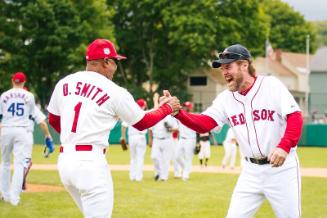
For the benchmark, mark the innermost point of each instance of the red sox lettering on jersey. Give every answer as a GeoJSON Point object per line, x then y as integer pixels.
{"type": "Point", "coordinates": [261, 114]}
{"type": "Point", "coordinates": [89, 91]}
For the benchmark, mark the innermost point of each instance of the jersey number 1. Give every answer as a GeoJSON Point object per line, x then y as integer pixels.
{"type": "Point", "coordinates": [77, 109]}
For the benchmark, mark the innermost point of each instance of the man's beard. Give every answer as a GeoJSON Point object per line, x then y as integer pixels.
{"type": "Point", "coordinates": [235, 84]}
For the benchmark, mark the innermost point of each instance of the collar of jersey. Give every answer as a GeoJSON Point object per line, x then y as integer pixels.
{"type": "Point", "coordinates": [245, 92]}
{"type": "Point", "coordinates": [251, 92]}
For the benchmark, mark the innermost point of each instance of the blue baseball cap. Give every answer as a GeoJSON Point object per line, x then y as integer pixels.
{"type": "Point", "coordinates": [231, 54]}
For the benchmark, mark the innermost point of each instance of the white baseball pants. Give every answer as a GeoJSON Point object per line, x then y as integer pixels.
{"type": "Point", "coordinates": [29, 145]}
{"type": "Point", "coordinates": [86, 176]}
{"type": "Point", "coordinates": [230, 153]}
{"type": "Point", "coordinates": [205, 150]}
{"type": "Point", "coordinates": [281, 186]}
{"type": "Point", "coordinates": [184, 156]}
{"type": "Point", "coordinates": [13, 140]}
{"type": "Point", "coordinates": [161, 155]}
{"type": "Point", "coordinates": [137, 144]}
{"type": "Point", "coordinates": [177, 166]}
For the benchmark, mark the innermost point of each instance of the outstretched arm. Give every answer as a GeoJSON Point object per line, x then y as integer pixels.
{"type": "Point", "coordinates": [166, 107]}
{"type": "Point", "coordinates": [153, 117]}
{"type": "Point", "coordinates": [198, 122]}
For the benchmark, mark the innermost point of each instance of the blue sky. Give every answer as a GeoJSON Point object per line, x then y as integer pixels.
{"type": "Point", "coordinates": [311, 9]}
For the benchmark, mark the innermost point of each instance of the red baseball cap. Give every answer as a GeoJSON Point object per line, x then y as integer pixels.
{"type": "Point", "coordinates": [188, 104]}
{"type": "Point", "coordinates": [19, 77]}
{"type": "Point", "coordinates": [141, 102]}
{"type": "Point", "coordinates": [101, 49]}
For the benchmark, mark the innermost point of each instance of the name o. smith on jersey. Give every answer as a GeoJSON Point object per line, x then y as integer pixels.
{"type": "Point", "coordinates": [87, 90]}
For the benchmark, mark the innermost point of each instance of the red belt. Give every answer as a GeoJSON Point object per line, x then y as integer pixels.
{"type": "Point", "coordinates": [81, 148]}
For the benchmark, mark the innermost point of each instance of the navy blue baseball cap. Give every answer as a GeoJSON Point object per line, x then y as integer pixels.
{"type": "Point", "coordinates": [231, 54]}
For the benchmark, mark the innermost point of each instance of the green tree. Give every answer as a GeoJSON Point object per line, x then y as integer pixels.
{"type": "Point", "coordinates": [288, 28]}
{"type": "Point", "coordinates": [241, 21]}
{"type": "Point", "coordinates": [163, 40]}
{"type": "Point", "coordinates": [166, 40]}
{"type": "Point", "coordinates": [47, 38]}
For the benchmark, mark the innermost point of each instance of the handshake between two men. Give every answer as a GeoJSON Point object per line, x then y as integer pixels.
{"type": "Point", "coordinates": [172, 101]}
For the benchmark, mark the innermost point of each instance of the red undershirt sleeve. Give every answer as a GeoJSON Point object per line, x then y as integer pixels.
{"type": "Point", "coordinates": [54, 121]}
{"type": "Point", "coordinates": [153, 117]}
{"type": "Point", "coordinates": [198, 122]}
{"type": "Point", "coordinates": [292, 132]}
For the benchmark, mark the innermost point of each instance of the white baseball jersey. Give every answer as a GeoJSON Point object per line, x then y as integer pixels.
{"type": "Point", "coordinates": [38, 118]}
{"type": "Point", "coordinates": [185, 132]}
{"type": "Point", "coordinates": [258, 118]}
{"type": "Point", "coordinates": [160, 131]}
{"type": "Point", "coordinates": [16, 105]}
{"type": "Point", "coordinates": [88, 104]}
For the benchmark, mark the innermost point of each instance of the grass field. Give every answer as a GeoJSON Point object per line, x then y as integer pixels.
{"type": "Point", "coordinates": [203, 196]}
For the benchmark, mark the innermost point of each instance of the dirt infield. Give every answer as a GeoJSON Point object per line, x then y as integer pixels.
{"type": "Point", "coordinates": [311, 172]}
{"type": "Point", "coordinates": [30, 188]}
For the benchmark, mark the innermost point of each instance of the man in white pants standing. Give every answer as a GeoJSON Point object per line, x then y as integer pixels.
{"type": "Point", "coordinates": [185, 149]}
{"type": "Point", "coordinates": [16, 106]}
{"type": "Point", "coordinates": [83, 108]}
{"type": "Point", "coordinates": [230, 149]}
{"type": "Point", "coordinates": [137, 146]}
{"type": "Point", "coordinates": [267, 123]}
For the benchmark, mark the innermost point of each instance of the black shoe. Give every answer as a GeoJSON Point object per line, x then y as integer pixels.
{"type": "Point", "coordinates": [156, 178]}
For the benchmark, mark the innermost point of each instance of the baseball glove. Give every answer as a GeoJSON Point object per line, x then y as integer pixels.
{"type": "Point", "coordinates": [123, 144]}
{"type": "Point", "coordinates": [49, 147]}
{"type": "Point", "coordinates": [197, 149]}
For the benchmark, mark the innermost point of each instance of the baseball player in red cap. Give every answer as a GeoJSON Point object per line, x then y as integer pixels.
{"type": "Point", "coordinates": [267, 123]}
{"type": "Point", "coordinates": [83, 108]}
{"type": "Point", "coordinates": [137, 146]}
{"type": "Point", "coordinates": [16, 106]}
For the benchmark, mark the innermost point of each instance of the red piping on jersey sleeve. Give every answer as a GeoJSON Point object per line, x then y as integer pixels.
{"type": "Point", "coordinates": [293, 131]}
{"type": "Point", "coordinates": [54, 121]}
{"type": "Point", "coordinates": [153, 117]}
{"type": "Point", "coordinates": [198, 122]}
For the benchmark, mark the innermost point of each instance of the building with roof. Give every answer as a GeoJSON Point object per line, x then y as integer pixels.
{"type": "Point", "coordinates": [318, 86]}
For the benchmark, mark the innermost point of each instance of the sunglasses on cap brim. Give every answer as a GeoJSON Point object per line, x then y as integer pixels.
{"type": "Point", "coordinates": [231, 55]}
